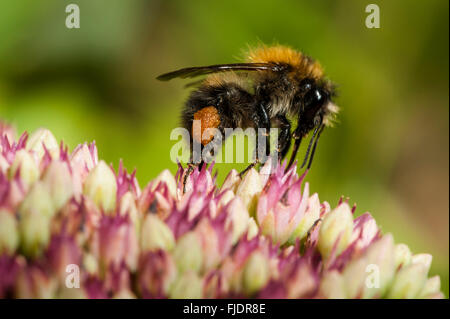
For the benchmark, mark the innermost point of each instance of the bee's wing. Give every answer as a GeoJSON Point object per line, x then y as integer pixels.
{"type": "Point", "coordinates": [202, 70]}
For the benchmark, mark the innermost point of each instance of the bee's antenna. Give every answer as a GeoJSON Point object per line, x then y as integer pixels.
{"type": "Point", "coordinates": [315, 145]}
{"type": "Point", "coordinates": [309, 145]}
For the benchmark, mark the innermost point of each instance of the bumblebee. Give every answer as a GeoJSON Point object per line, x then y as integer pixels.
{"type": "Point", "coordinates": [276, 83]}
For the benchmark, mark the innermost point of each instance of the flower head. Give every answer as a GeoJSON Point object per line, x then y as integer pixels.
{"type": "Point", "coordinates": [264, 235]}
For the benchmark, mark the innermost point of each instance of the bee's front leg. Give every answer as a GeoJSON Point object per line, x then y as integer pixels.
{"type": "Point", "coordinates": [261, 121]}
{"type": "Point", "coordinates": [284, 138]}
{"type": "Point", "coordinates": [192, 165]}
{"type": "Point", "coordinates": [188, 172]}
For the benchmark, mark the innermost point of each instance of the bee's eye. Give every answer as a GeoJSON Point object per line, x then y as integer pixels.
{"type": "Point", "coordinates": [315, 98]}
{"type": "Point", "coordinates": [313, 102]}
{"type": "Point", "coordinates": [306, 85]}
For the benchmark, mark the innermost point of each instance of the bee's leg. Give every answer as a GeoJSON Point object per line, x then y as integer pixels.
{"type": "Point", "coordinates": [256, 161]}
{"type": "Point", "coordinates": [319, 126]}
{"type": "Point", "coordinates": [311, 142]}
{"type": "Point", "coordinates": [188, 172]}
{"type": "Point", "coordinates": [284, 138]}
{"type": "Point", "coordinates": [192, 165]}
{"type": "Point", "coordinates": [241, 174]}
{"type": "Point", "coordinates": [261, 120]}
{"type": "Point", "coordinates": [314, 146]}
{"type": "Point", "coordinates": [298, 141]}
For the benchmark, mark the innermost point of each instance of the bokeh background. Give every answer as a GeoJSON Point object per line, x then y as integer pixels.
{"type": "Point", "coordinates": [389, 153]}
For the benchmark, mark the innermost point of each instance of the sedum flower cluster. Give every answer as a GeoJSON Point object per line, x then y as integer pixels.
{"type": "Point", "coordinates": [73, 227]}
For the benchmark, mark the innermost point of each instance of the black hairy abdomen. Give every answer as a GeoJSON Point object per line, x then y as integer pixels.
{"type": "Point", "coordinates": [233, 103]}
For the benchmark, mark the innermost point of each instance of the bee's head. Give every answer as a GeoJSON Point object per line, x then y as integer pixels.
{"type": "Point", "coordinates": [312, 100]}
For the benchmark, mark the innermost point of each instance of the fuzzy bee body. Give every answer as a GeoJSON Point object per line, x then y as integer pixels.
{"type": "Point", "coordinates": [275, 84]}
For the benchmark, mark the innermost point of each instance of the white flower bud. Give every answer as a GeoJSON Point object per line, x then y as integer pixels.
{"type": "Point", "coordinates": [9, 234]}
{"type": "Point", "coordinates": [29, 171]}
{"type": "Point", "coordinates": [101, 187]}
{"type": "Point", "coordinates": [4, 165]}
{"type": "Point", "coordinates": [239, 218]}
{"type": "Point", "coordinates": [424, 259]}
{"type": "Point", "coordinates": [128, 206]}
{"type": "Point", "coordinates": [332, 286]}
{"type": "Point", "coordinates": [188, 253]}
{"type": "Point", "coordinates": [42, 137]}
{"type": "Point", "coordinates": [380, 265]}
{"type": "Point", "coordinates": [256, 273]}
{"type": "Point", "coordinates": [37, 201]}
{"type": "Point", "coordinates": [167, 178]}
{"type": "Point", "coordinates": [408, 282]}
{"type": "Point", "coordinates": [90, 263]}
{"type": "Point", "coordinates": [34, 233]}
{"type": "Point", "coordinates": [58, 180]}
{"type": "Point", "coordinates": [155, 234]}
{"type": "Point", "coordinates": [402, 255]}
{"type": "Point", "coordinates": [249, 190]}
{"type": "Point", "coordinates": [252, 228]}
{"type": "Point", "coordinates": [336, 230]}
{"type": "Point", "coordinates": [188, 286]}
{"type": "Point", "coordinates": [232, 181]}
{"type": "Point", "coordinates": [225, 198]}
{"type": "Point", "coordinates": [432, 287]}
{"type": "Point", "coordinates": [312, 214]}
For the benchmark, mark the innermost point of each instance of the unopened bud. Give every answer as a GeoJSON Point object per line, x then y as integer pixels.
{"type": "Point", "coordinates": [424, 259]}
{"type": "Point", "coordinates": [58, 180]}
{"type": "Point", "coordinates": [402, 255]}
{"type": "Point", "coordinates": [90, 263]}
{"type": "Point", "coordinates": [128, 206]}
{"type": "Point", "coordinates": [432, 287]}
{"type": "Point", "coordinates": [167, 178]}
{"type": "Point", "coordinates": [34, 233]}
{"type": "Point", "coordinates": [332, 286]}
{"type": "Point", "coordinates": [232, 181]}
{"type": "Point", "coordinates": [312, 214]}
{"type": "Point", "coordinates": [101, 187]}
{"type": "Point", "coordinates": [256, 273]}
{"type": "Point", "coordinates": [40, 138]}
{"type": "Point", "coordinates": [188, 254]}
{"type": "Point", "coordinates": [249, 190]}
{"type": "Point", "coordinates": [188, 286]}
{"type": "Point", "coordinates": [252, 229]}
{"type": "Point", "coordinates": [336, 230]}
{"type": "Point", "coordinates": [29, 171]}
{"type": "Point", "coordinates": [408, 282]}
{"type": "Point", "coordinates": [37, 201]}
{"type": "Point", "coordinates": [155, 234]}
{"type": "Point", "coordinates": [239, 218]}
{"type": "Point", "coordinates": [9, 235]}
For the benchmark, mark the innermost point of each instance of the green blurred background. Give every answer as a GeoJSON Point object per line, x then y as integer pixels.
{"type": "Point", "coordinates": [389, 153]}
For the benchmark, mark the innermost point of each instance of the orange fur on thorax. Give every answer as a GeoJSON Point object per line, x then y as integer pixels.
{"type": "Point", "coordinates": [303, 66]}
